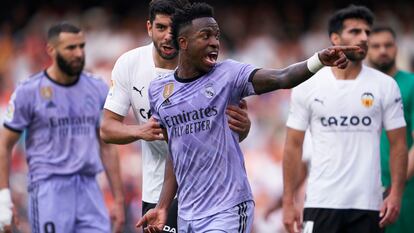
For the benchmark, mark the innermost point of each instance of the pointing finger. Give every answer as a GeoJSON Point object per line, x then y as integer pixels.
{"type": "Point", "coordinates": [346, 48]}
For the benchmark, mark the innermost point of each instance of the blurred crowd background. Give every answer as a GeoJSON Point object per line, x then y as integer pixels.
{"type": "Point", "coordinates": [264, 33]}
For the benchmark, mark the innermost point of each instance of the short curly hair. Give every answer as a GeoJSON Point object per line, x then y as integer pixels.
{"type": "Point", "coordinates": [336, 22]}
{"type": "Point", "coordinates": [186, 15]}
{"type": "Point", "coordinates": [164, 7]}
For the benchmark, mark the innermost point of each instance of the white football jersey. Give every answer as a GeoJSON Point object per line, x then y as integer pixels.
{"type": "Point", "coordinates": [131, 77]}
{"type": "Point", "coordinates": [345, 118]}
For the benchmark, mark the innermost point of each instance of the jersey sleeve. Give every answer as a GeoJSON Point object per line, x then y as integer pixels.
{"type": "Point", "coordinates": [299, 113]}
{"type": "Point", "coordinates": [393, 114]}
{"type": "Point", "coordinates": [243, 81]}
{"type": "Point", "coordinates": [20, 110]}
{"type": "Point", "coordinates": [117, 99]}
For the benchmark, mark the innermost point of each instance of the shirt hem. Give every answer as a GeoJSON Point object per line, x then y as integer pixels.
{"type": "Point", "coordinates": [342, 207]}
{"type": "Point", "coordinates": [214, 211]}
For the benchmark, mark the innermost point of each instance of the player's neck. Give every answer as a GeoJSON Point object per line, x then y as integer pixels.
{"type": "Point", "coordinates": [393, 71]}
{"type": "Point", "coordinates": [186, 70]}
{"type": "Point", "coordinates": [351, 72]}
{"type": "Point", "coordinates": [162, 63]}
{"type": "Point", "coordinates": [60, 77]}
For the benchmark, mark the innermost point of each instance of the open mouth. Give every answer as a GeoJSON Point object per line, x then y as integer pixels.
{"type": "Point", "coordinates": [168, 49]}
{"type": "Point", "coordinates": [211, 58]}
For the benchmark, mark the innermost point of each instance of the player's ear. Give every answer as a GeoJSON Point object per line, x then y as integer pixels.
{"type": "Point", "coordinates": [149, 28]}
{"type": "Point", "coordinates": [335, 38]}
{"type": "Point", "coordinates": [182, 42]}
{"type": "Point", "coordinates": [50, 49]}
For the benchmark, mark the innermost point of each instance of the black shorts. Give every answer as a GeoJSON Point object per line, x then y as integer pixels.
{"type": "Point", "coordinates": [171, 225]}
{"type": "Point", "coordinates": [319, 220]}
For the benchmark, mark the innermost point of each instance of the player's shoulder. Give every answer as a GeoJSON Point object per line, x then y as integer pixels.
{"type": "Point", "coordinates": [93, 79]}
{"type": "Point", "coordinates": [130, 57]}
{"type": "Point", "coordinates": [407, 76]}
{"type": "Point", "coordinates": [406, 73]}
{"type": "Point", "coordinates": [378, 79]}
{"type": "Point", "coordinates": [32, 82]}
{"type": "Point", "coordinates": [227, 63]}
{"type": "Point", "coordinates": [159, 85]}
{"type": "Point", "coordinates": [162, 79]}
{"type": "Point", "coordinates": [406, 79]}
{"type": "Point", "coordinates": [318, 78]}
{"type": "Point", "coordinates": [376, 74]}
{"type": "Point", "coordinates": [229, 66]}
{"type": "Point", "coordinates": [313, 84]}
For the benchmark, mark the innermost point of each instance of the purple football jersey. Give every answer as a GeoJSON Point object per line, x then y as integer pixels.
{"type": "Point", "coordinates": [61, 124]}
{"type": "Point", "coordinates": [208, 162]}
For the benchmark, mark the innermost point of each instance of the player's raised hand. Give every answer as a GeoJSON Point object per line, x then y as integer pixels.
{"type": "Point", "coordinates": [335, 55]}
{"type": "Point", "coordinates": [155, 220]}
{"type": "Point", "coordinates": [150, 131]}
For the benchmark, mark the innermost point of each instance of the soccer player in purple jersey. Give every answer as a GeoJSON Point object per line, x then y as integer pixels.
{"type": "Point", "coordinates": [60, 109]}
{"type": "Point", "coordinates": [131, 76]}
{"type": "Point", "coordinates": [206, 166]}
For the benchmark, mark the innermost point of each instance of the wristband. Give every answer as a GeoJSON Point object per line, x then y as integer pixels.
{"type": "Point", "coordinates": [314, 64]}
{"type": "Point", "coordinates": [6, 206]}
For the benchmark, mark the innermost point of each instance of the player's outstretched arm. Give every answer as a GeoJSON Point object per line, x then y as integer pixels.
{"type": "Point", "coordinates": [238, 119]}
{"type": "Point", "coordinates": [113, 130]}
{"type": "Point", "coordinates": [398, 165]}
{"type": "Point", "coordinates": [110, 161]}
{"type": "Point", "coordinates": [266, 80]}
{"type": "Point", "coordinates": [292, 165]}
{"type": "Point", "coordinates": [8, 139]}
{"type": "Point", "coordinates": [156, 218]}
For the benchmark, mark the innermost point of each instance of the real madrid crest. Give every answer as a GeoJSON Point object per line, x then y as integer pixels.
{"type": "Point", "coordinates": [209, 91]}
{"type": "Point", "coordinates": [168, 90]}
{"type": "Point", "coordinates": [46, 92]}
{"type": "Point", "coordinates": [367, 99]}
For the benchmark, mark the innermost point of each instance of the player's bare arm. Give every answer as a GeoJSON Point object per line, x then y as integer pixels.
{"type": "Point", "coordinates": [110, 161]}
{"type": "Point", "coordinates": [398, 165]}
{"type": "Point", "coordinates": [292, 165]}
{"type": "Point", "coordinates": [266, 80]}
{"type": "Point", "coordinates": [113, 130]}
{"type": "Point", "coordinates": [157, 217]}
{"type": "Point", "coordinates": [8, 139]}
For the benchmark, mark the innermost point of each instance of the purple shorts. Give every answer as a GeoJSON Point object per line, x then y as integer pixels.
{"type": "Point", "coordinates": [68, 204]}
{"type": "Point", "coordinates": [238, 219]}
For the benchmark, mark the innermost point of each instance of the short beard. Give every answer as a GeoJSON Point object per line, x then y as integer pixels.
{"type": "Point", "coordinates": [384, 67]}
{"type": "Point", "coordinates": [170, 57]}
{"type": "Point", "coordinates": [66, 68]}
{"type": "Point", "coordinates": [352, 56]}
